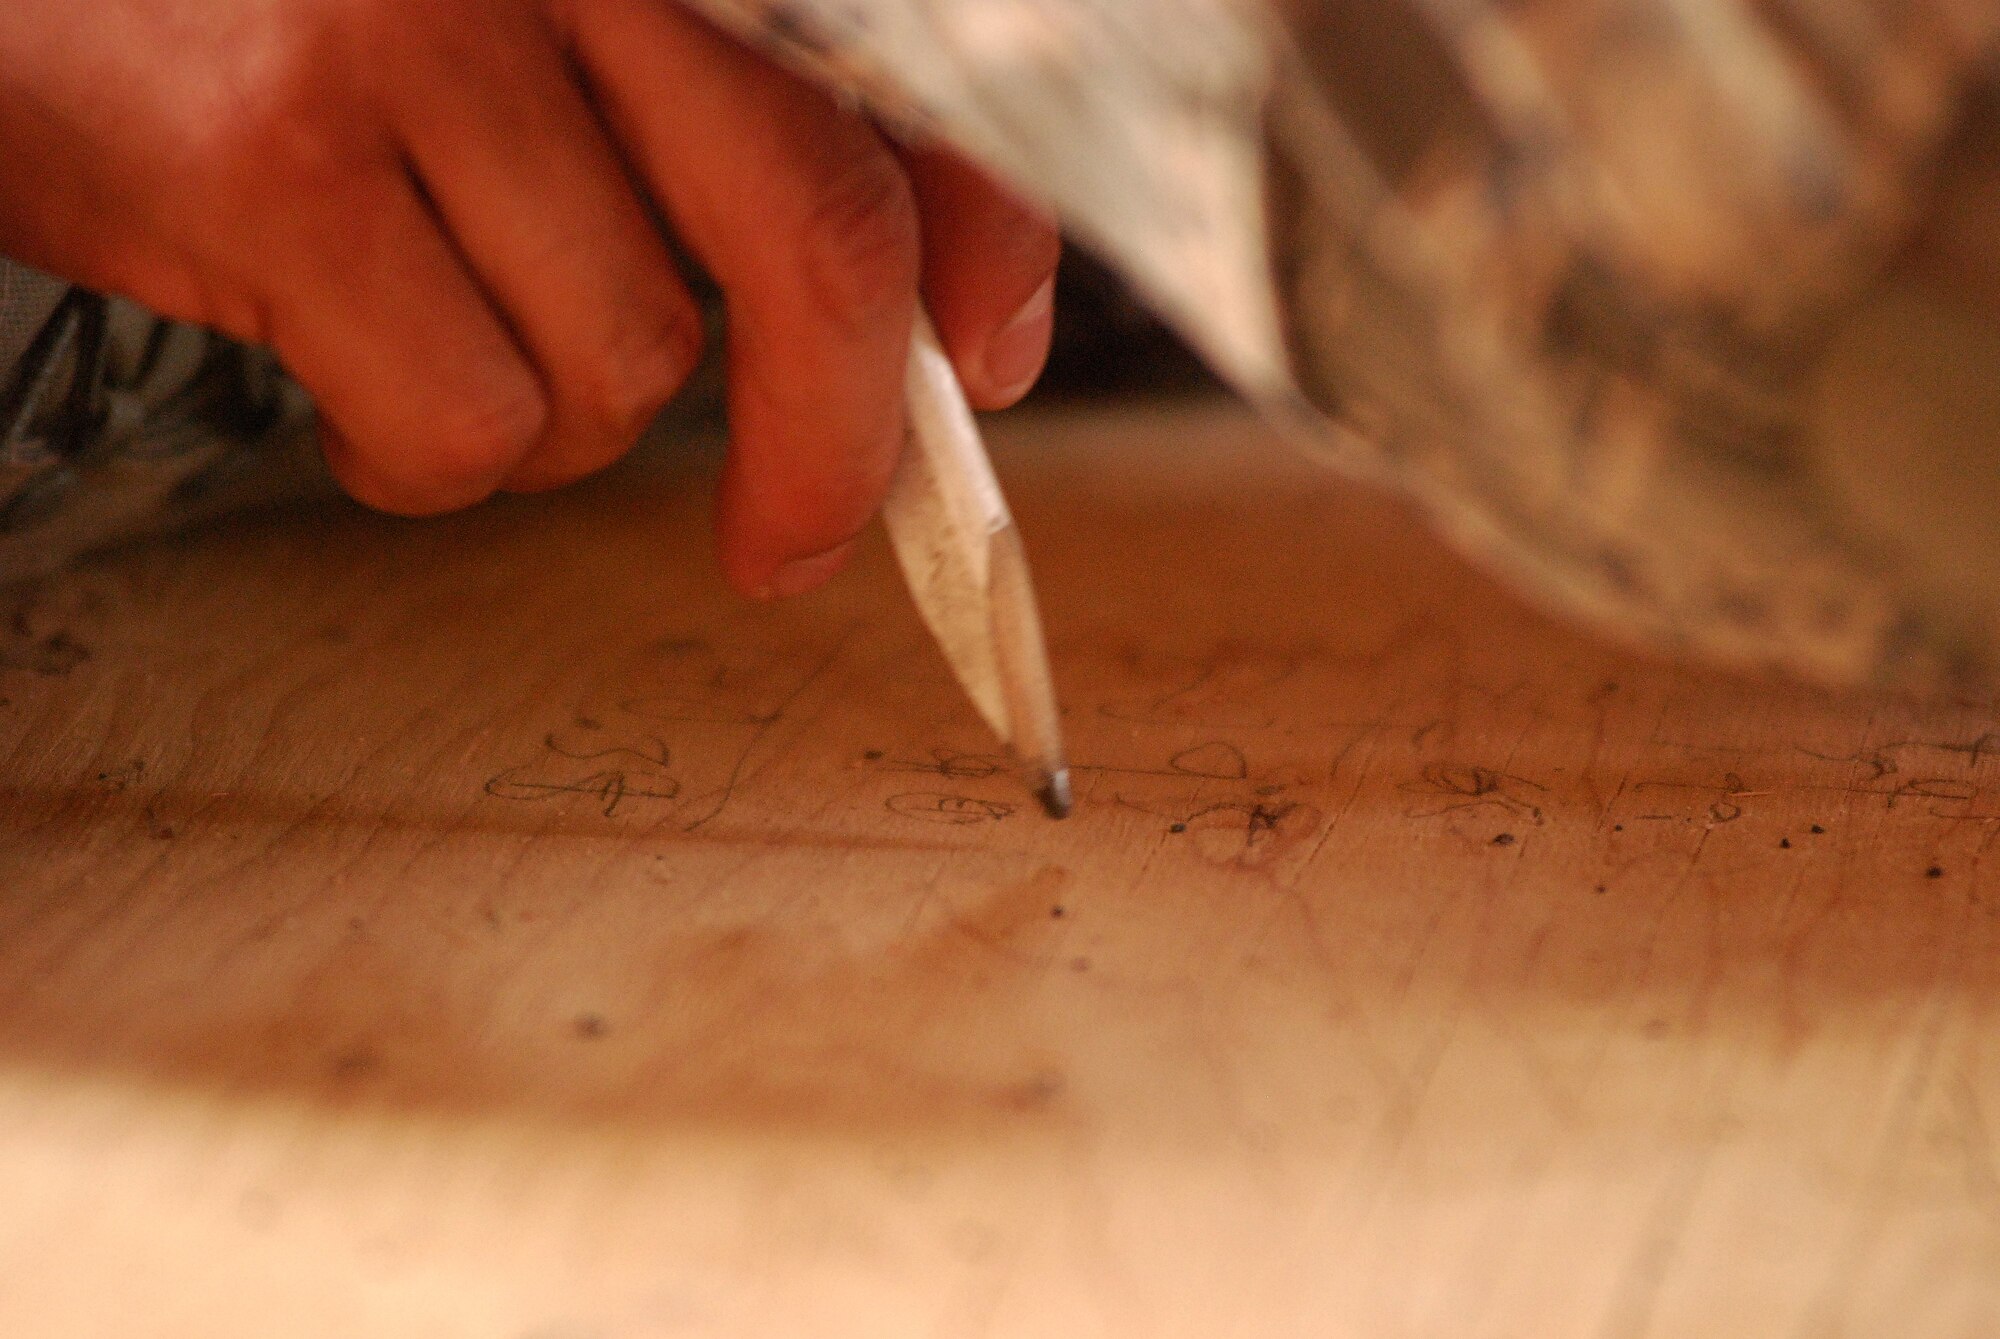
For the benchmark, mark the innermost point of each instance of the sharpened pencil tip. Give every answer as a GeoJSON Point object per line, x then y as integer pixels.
{"type": "Point", "coordinates": [1054, 794]}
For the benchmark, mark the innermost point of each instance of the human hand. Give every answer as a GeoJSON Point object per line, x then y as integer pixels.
{"type": "Point", "coordinates": [437, 213]}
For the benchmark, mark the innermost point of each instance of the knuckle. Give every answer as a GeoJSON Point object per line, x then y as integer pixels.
{"type": "Point", "coordinates": [642, 368]}
{"type": "Point", "coordinates": [461, 459]}
{"type": "Point", "coordinates": [483, 436]}
{"type": "Point", "coordinates": [862, 248]}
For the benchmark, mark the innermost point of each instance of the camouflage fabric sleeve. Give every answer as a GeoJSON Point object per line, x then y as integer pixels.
{"type": "Point", "coordinates": [115, 424]}
{"type": "Point", "coordinates": [27, 300]}
{"type": "Point", "coordinates": [1682, 314]}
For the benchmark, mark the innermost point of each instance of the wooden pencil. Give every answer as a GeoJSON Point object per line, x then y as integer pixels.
{"type": "Point", "coordinates": [963, 560]}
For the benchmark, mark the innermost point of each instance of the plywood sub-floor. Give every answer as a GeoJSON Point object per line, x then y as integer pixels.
{"type": "Point", "coordinates": [491, 927]}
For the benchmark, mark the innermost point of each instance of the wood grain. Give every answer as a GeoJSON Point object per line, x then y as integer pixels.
{"type": "Point", "coordinates": [491, 928]}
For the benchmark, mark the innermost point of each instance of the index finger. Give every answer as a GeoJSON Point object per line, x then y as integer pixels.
{"type": "Point", "coordinates": [807, 221]}
{"type": "Point", "coordinates": [989, 275]}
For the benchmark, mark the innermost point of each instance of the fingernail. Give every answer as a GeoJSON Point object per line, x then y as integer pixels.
{"type": "Point", "coordinates": [803, 574]}
{"type": "Point", "coordinates": [1015, 355]}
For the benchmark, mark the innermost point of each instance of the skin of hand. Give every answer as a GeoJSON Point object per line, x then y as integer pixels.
{"type": "Point", "coordinates": [441, 215]}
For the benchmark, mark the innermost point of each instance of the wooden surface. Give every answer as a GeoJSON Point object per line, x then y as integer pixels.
{"type": "Point", "coordinates": [491, 928]}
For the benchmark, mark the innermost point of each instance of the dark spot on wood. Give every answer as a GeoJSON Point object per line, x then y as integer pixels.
{"type": "Point", "coordinates": [355, 1062]}
{"type": "Point", "coordinates": [1934, 872]}
{"type": "Point", "coordinates": [1743, 608]}
{"type": "Point", "coordinates": [1784, 843]}
{"type": "Point", "coordinates": [873, 755]}
{"type": "Point", "coordinates": [1079, 964]}
{"type": "Point", "coordinates": [1177, 827]}
{"type": "Point", "coordinates": [1504, 839]}
{"type": "Point", "coordinates": [1600, 888]}
{"type": "Point", "coordinates": [257, 1210]}
{"type": "Point", "coordinates": [1617, 827]}
{"type": "Point", "coordinates": [1818, 831]}
{"type": "Point", "coordinates": [1033, 1093]}
{"type": "Point", "coordinates": [1618, 571]}
{"type": "Point", "coordinates": [590, 1027]}
{"type": "Point", "coordinates": [1057, 913]}
{"type": "Point", "coordinates": [588, 723]}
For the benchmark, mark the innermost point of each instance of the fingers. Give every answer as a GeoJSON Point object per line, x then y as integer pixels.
{"type": "Point", "coordinates": [807, 221]}
{"type": "Point", "coordinates": [989, 276]}
{"type": "Point", "coordinates": [508, 315]}
{"type": "Point", "coordinates": [535, 197]}
{"type": "Point", "coordinates": [428, 403]}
